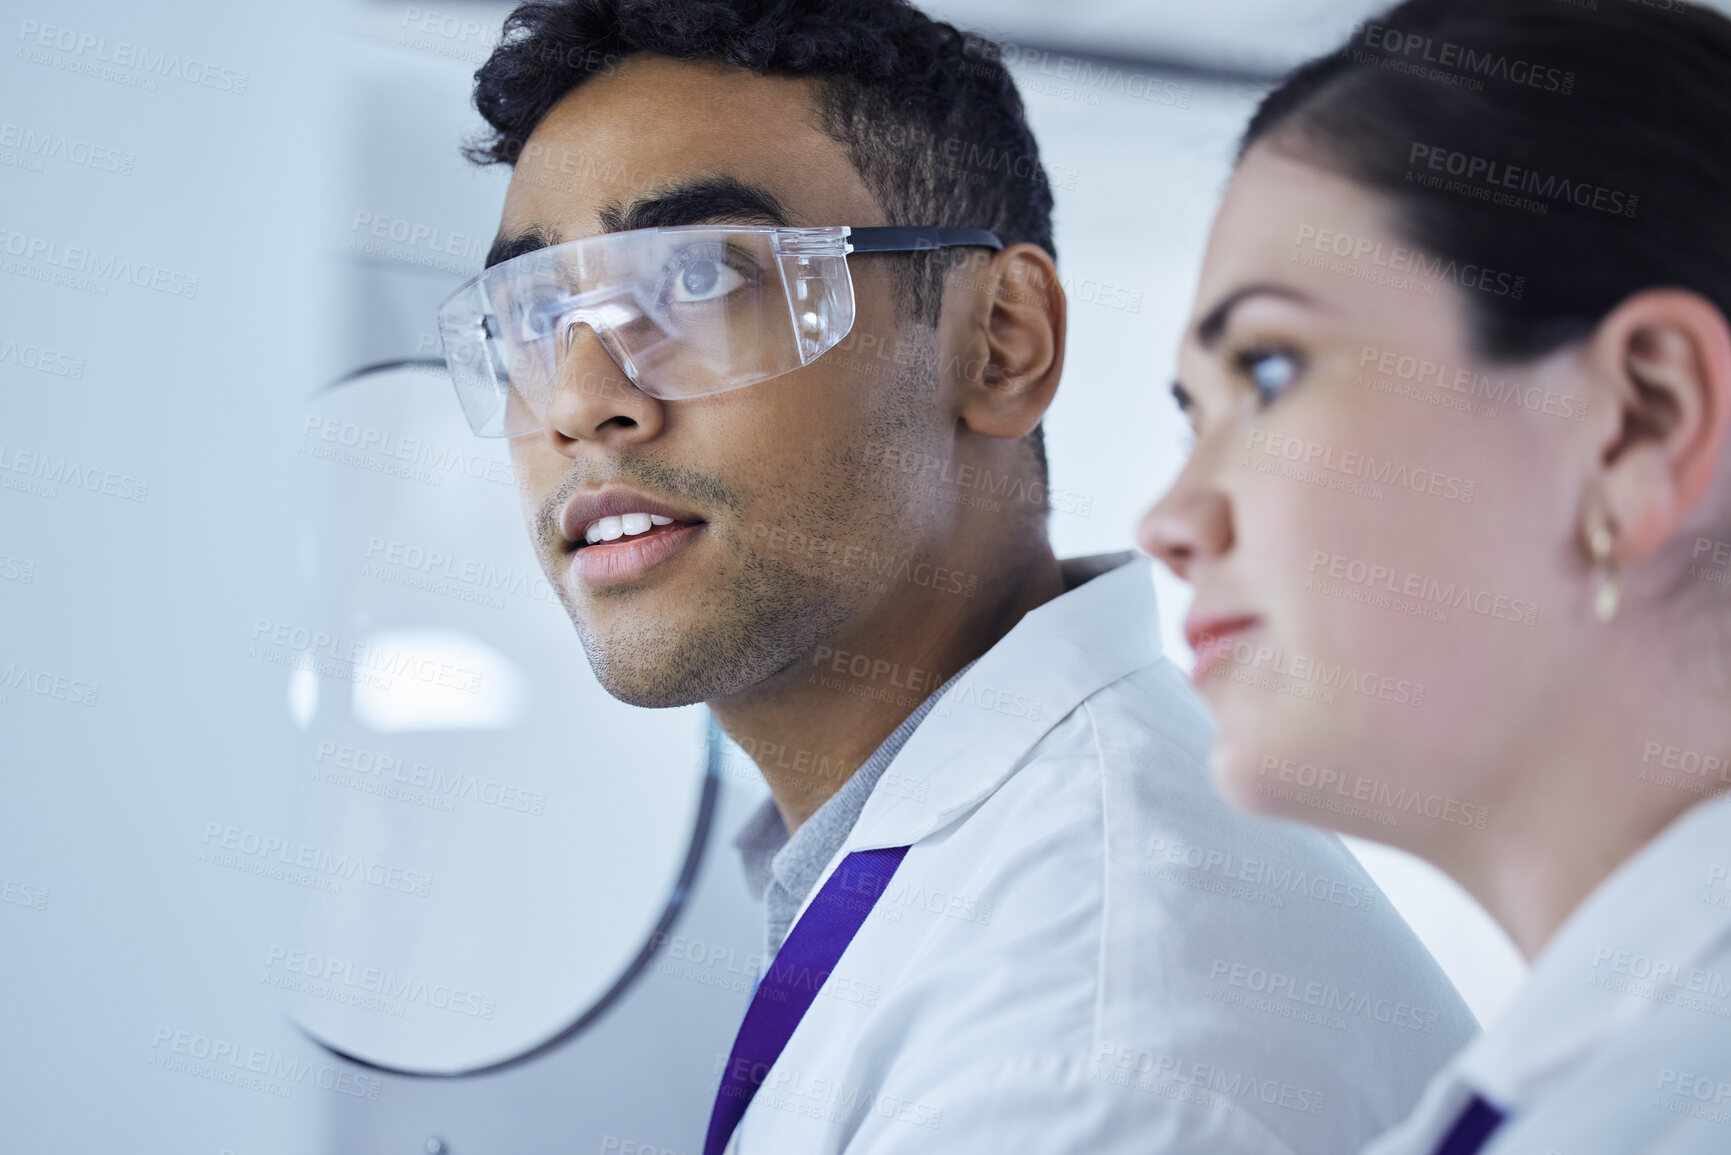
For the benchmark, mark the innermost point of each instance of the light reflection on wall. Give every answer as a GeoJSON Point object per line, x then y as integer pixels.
{"type": "Point", "coordinates": [453, 681]}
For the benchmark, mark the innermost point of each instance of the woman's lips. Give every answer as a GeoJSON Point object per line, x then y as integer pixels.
{"type": "Point", "coordinates": [1213, 642]}
{"type": "Point", "coordinates": [625, 559]}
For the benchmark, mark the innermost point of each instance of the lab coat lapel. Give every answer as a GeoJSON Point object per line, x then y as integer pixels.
{"type": "Point", "coordinates": [1053, 659]}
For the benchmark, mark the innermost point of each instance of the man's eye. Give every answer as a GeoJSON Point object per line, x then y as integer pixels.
{"type": "Point", "coordinates": [540, 312]}
{"type": "Point", "coordinates": [1271, 371]}
{"type": "Point", "coordinates": [693, 278]}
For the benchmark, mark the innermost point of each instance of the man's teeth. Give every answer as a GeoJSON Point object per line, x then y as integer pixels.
{"type": "Point", "coordinates": [625, 525]}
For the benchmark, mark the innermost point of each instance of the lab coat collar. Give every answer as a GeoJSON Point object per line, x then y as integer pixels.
{"type": "Point", "coordinates": [1658, 905]}
{"type": "Point", "coordinates": [1057, 656]}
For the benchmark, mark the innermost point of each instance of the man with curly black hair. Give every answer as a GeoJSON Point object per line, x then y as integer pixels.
{"type": "Point", "coordinates": [772, 320]}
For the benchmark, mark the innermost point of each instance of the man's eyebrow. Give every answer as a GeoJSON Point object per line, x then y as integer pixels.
{"type": "Point", "coordinates": [699, 201]}
{"type": "Point", "coordinates": [1210, 329]}
{"type": "Point", "coordinates": [516, 244]}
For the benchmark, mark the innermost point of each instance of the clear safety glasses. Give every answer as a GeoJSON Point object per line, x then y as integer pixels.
{"type": "Point", "coordinates": [684, 312]}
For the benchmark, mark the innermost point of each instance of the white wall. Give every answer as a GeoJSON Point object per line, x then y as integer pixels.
{"type": "Point", "coordinates": [151, 519]}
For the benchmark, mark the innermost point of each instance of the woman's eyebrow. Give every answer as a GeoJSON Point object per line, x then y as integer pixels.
{"type": "Point", "coordinates": [1212, 326]}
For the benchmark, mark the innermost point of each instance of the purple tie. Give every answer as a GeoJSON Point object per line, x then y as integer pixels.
{"type": "Point", "coordinates": [801, 966]}
{"type": "Point", "coordinates": [1473, 1129]}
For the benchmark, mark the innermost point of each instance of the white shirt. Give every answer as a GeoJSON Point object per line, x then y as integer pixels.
{"type": "Point", "coordinates": [1077, 954]}
{"type": "Point", "coordinates": [1621, 1040]}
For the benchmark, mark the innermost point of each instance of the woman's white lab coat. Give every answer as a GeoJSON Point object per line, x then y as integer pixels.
{"type": "Point", "coordinates": [1621, 1040]}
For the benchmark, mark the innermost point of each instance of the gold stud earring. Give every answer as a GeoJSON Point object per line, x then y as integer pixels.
{"type": "Point", "coordinates": [1610, 593]}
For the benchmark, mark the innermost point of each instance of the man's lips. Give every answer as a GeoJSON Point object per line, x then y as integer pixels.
{"type": "Point", "coordinates": [586, 509]}
{"type": "Point", "coordinates": [624, 560]}
{"type": "Point", "coordinates": [1212, 638]}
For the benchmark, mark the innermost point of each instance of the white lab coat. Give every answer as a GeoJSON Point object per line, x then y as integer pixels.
{"type": "Point", "coordinates": [1620, 1043]}
{"type": "Point", "coordinates": [1085, 950]}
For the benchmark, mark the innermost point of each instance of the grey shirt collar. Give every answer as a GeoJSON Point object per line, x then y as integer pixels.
{"type": "Point", "coordinates": [781, 869]}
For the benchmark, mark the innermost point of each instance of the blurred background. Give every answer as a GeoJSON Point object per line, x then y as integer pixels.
{"type": "Point", "coordinates": [304, 780]}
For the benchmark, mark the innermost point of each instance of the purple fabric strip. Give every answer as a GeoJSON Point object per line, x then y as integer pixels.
{"type": "Point", "coordinates": [801, 966]}
{"type": "Point", "coordinates": [1473, 1129]}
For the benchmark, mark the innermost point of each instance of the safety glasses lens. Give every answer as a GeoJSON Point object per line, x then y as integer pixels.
{"type": "Point", "coordinates": [674, 313]}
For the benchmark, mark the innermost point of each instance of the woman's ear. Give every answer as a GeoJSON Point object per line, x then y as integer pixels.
{"type": "Point", "coordinates": [1664, 359]}
{"type": "Point", "coordinates": [1001, 340]}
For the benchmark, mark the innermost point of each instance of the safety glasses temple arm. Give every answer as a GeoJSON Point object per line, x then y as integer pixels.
{"type": "Point", "coordinates": [914, 239]}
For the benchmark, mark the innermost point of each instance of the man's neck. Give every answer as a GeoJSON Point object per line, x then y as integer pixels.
{"type": "Point", "coordinates": [811, 726]}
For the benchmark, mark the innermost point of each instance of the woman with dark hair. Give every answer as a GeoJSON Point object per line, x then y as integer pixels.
{"type": "Point", "coordinates": [1459, 524]}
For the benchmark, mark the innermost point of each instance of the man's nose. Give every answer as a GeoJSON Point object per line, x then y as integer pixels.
{"type": "Point", "coordinates": [593, 400]}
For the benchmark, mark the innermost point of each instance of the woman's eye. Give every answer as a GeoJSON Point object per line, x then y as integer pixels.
{"type": "Point", "coordinates": [695, 279]}
{"type": "Point", "coordinates": [1271, 371]}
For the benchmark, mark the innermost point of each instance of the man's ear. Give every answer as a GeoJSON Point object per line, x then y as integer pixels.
{"type": "Point", "coordinates": [1001, 340]}
{"type": "Point", "coordinates": [1664, 358]}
